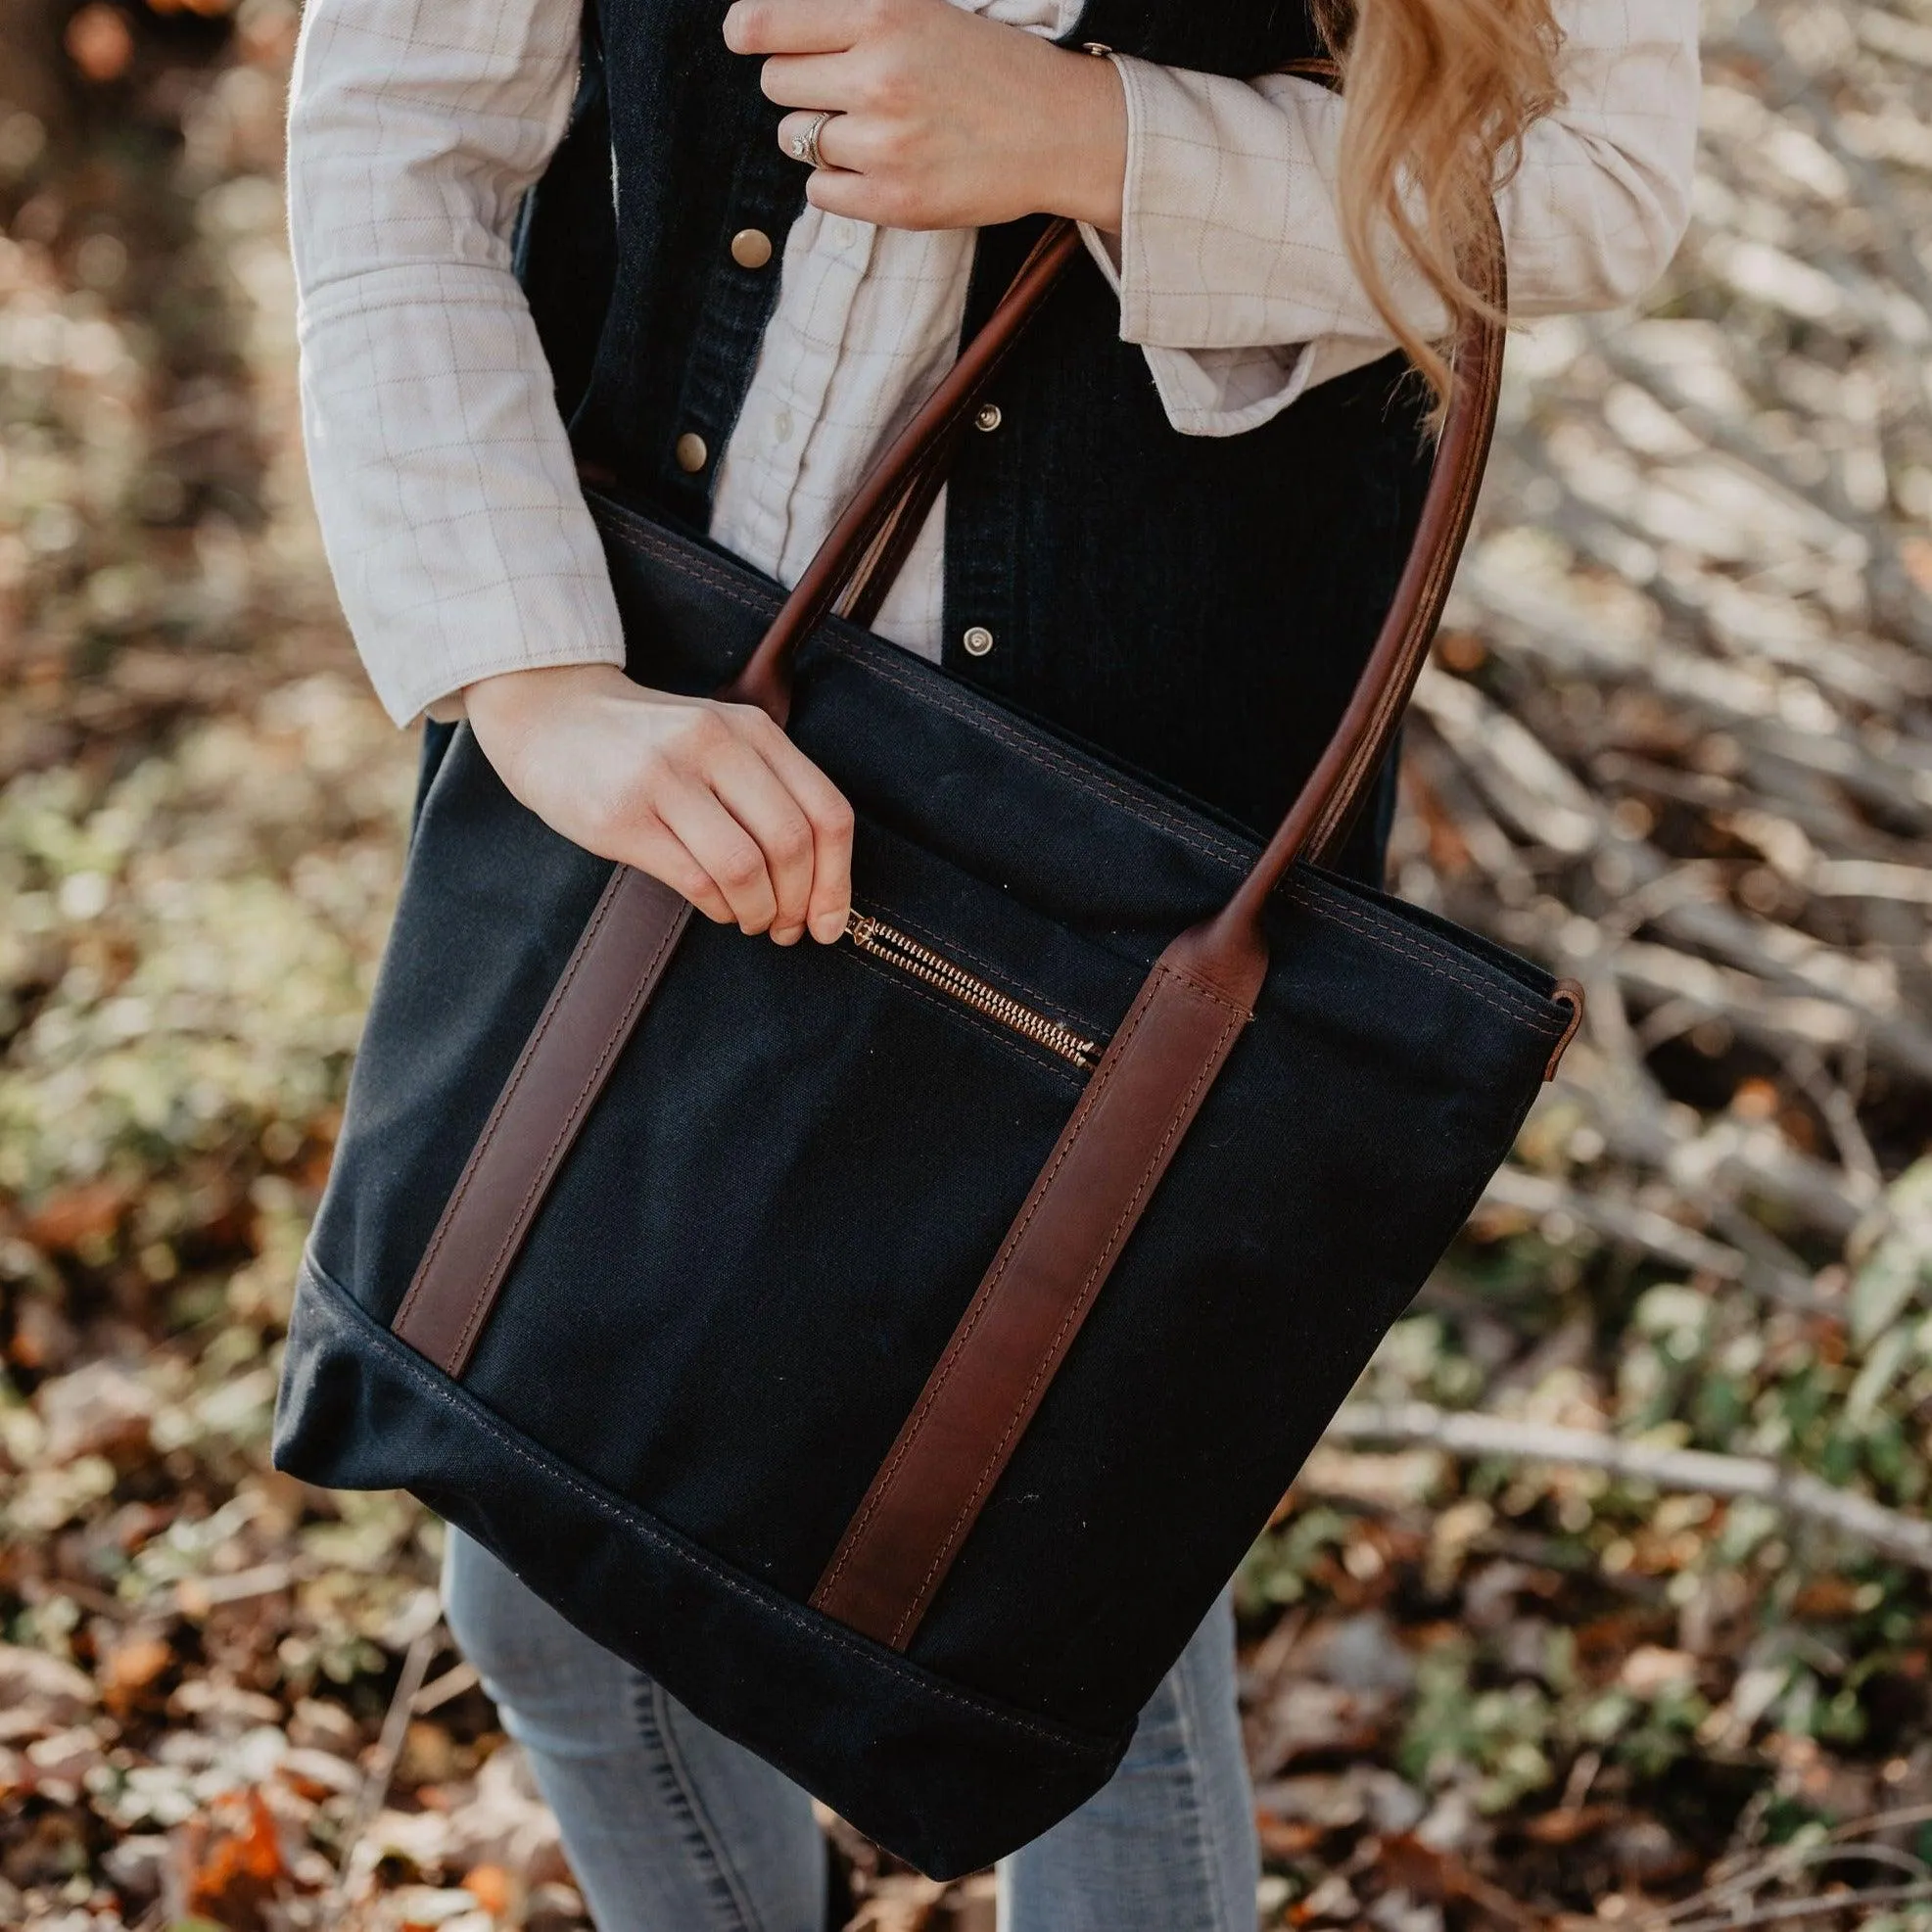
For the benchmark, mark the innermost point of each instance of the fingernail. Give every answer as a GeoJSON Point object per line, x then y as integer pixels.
{"type": "Point", "coordinates": [828, 927]}
{"type": "Point", "coordinates": [788, 935]}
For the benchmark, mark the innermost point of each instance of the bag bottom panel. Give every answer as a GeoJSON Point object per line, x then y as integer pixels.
{"type": "Point", "coordinates": [945, 1779]}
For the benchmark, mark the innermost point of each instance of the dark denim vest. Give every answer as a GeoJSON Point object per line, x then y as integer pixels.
{"type": "Point", "coordinates": [1195, 606]}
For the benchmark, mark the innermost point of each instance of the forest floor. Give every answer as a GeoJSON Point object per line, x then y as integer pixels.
{"type": "Point", "coordinates": [1606, 1601]}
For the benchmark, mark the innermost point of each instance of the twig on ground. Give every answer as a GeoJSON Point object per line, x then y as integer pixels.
{"type": "Point", "coordinates": [1784, 1912]}
{"type": "Point", "coordinates": [1656, 1234]}
{"type": "Point", "coordinates": [1735, 1887]}
{"type": "Point", "coordinates": [388, 1747]}
{"type": "Point", "coordinates": [1794, 1491]}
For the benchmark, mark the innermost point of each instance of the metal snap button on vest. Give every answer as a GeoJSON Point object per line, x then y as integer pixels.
{"type": "Point", "coordinates": [988, 417]}
{"type": "Point", "coordinates": [751, 248]}
{"type": "Point", "coordinates": [692, 453]}
{"type": "Point", "coordinates": [978, 641]}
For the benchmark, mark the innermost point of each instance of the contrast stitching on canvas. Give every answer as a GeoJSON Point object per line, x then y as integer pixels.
{"type": "Point", "coordinates": [882, 1484]}
{"type": "Point", "coordinates": [641, 536]}
{"type": "Point", "coordinates": [551, 1007]}
{"type": "Point", "coordinates": [1129, 1213]}
{"type": "Point", "coordinates": [1438, 963]}
{"type": "Point", "coordinates": [1431, 963]}
{"type": "Point", "coordinates": [823, 1629]}
{"type": "Point", "coordinates": [1107, 789]}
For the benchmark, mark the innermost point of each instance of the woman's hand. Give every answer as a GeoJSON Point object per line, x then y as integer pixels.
{"type": "Point", "coordinates": [945, 119]}
{"type": "Point", "coordinates": [711, 798]}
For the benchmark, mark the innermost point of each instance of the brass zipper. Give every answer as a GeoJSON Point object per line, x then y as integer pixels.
{"type": "Point", "coordinates": [888, 943]}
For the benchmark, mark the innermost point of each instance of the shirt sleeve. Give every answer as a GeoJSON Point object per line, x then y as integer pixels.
{"type": "Point", "coordinates": [1230, 266]}
{"type": "Point", "coordinates": [448, 499]}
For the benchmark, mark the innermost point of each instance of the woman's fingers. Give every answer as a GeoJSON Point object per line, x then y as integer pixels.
{"type": "Point", "coordinates": [711, 798]}
{"type": "Point", "coordinates": [829, 817]}
{"type": "Point", "coordinates": [797, 26]}
{"type": "Point", "coordinates": [660, 852]}
{"type": "Point", "coordinates": [838, 146]}
{"type": "Point", "coordinates": [752, 792]}
{"type": "Point", "coordinates": [808, 81]}
{"type": "Point", "coordinates": [773, 833]}
{"type": "Point", "coordinates": [729, 855]}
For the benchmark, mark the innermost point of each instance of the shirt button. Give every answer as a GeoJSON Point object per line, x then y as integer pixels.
{"type": "Point", "coordinates": [751, 248]}
{"type": "Point", "coordinates": [978, 641]}
{"type": "Point", "coordinates": [843, 234]}
{"type": "Point", "coordinates": [988, 417]}
{"type": "Point", "coordinates": [692, 453]}
{"type": "Point", "coordinates": [783, 426]}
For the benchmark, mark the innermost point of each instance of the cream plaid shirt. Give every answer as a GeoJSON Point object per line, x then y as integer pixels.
{"type": "Point", "coordinates": [449, 505]}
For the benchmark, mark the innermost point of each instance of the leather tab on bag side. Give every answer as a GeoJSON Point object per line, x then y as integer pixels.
{"type": "Point", "coordinates": [626, 944]}
{"type": "Point", "coordinates": [1567, 993]}
{"type": "Point", "coordinates": [1010, 1341]}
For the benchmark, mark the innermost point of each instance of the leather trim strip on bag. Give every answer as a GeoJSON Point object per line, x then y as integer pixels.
{"type": "Point", "coordinates": [1017, 1329]}
{"type": "Point", "coordinates": [612, 973]}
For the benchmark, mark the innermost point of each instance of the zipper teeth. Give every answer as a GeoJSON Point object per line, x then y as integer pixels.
{"type": "Point", "coordinates": [899, 949]}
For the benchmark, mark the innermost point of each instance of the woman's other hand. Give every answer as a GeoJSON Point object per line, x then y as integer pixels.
{"type": "Point", "coordinates": [711, 798]}
{"type": "Point", "coordinates": [945, 119]}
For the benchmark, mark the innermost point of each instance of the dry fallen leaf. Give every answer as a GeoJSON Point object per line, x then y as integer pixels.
{"type": "Point", "coordinates": [233, 1859]}
{"type": "Point", "coordinates": [75, 1217]}
{"type": "Point", "coordinates": [1568, 1823]}
{"type": "Point", "coordinates": [132, 1668]}
{"type": "Point", "coordinates": [101, 1410]}
{"type": "Point", "coordinates": [493, 1888]}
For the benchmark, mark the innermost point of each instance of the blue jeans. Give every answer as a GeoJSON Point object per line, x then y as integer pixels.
{"type": "Point", "coordinates": [671, 1828]}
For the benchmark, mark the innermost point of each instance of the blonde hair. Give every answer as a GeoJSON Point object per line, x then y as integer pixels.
{"type": "Point", "coordinates": [1439, 93]}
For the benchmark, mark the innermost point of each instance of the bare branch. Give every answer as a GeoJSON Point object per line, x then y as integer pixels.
{"type": "Point", "coordinates": [1794, 1492]}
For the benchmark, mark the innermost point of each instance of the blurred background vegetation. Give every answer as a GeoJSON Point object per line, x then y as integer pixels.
{"type": "Point", "coordinates": [1605, 1602]}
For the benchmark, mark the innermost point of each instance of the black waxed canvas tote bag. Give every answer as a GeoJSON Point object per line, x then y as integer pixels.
{"type": "Point", "coordinates": [893, 1347]}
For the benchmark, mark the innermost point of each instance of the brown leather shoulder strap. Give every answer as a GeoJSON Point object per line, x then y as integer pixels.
{"type": "Point", "coordinates": [871, 540]}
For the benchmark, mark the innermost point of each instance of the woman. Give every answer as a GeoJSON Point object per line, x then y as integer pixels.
{"type": "Point", "coordinates": [758, 236]}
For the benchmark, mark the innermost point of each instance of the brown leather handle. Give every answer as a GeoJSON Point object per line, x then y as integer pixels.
{"type": "Point", "coordinates": [1322, 812]}
{"type": "Point", "coordinates": [871, 540]}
